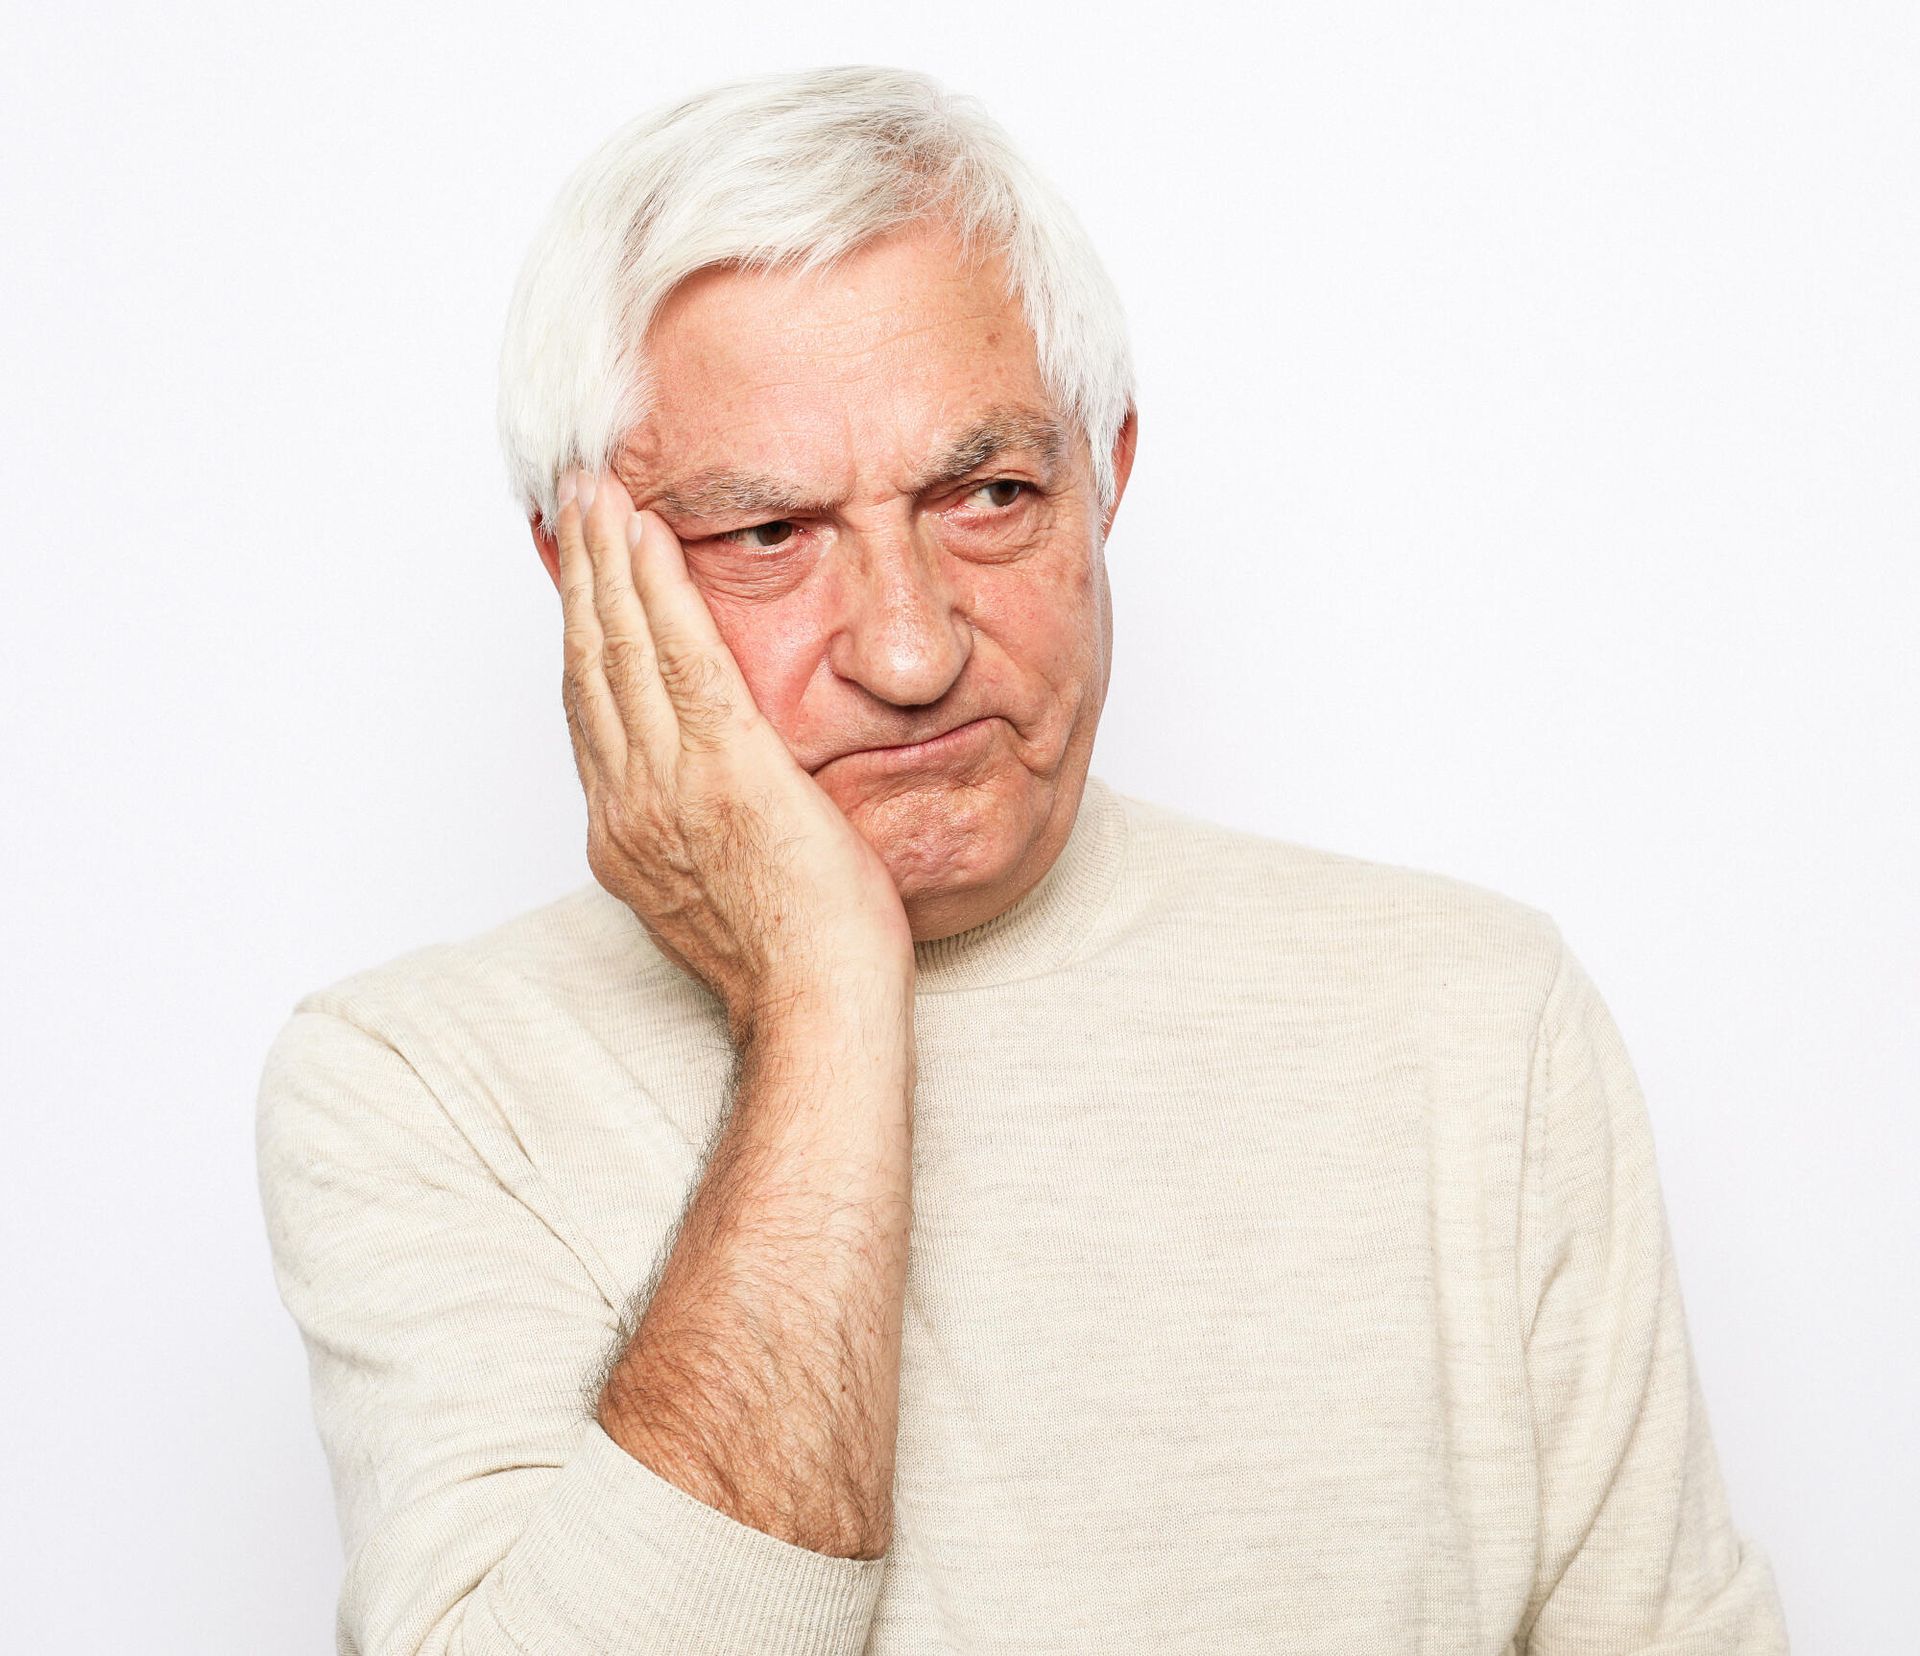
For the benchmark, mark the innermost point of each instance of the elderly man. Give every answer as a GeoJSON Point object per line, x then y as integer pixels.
{"type": "Point", "coordinates": [915, 1197]}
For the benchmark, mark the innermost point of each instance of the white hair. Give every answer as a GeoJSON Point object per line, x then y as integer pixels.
{"type": "Point", "coordinates": [785, 171]}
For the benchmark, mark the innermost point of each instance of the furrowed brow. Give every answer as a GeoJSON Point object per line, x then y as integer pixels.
{"type": "Point", "coordinates": [1003, 431]}
{"type": "Point", "coordinates": [723, 493]}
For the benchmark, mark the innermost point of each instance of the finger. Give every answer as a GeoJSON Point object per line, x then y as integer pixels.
{"type": "Point", "coordinates": [592, 713]}
{"type": "Point", "coordinates": [709, 692]}
{"type": "Point", "coordinates": [627, 646]}
{"type": "Point", "coordinates": [583, 759]}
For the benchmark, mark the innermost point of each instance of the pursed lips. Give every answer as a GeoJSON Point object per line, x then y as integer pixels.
{"type": "Point", "coordinates": [929, 745]}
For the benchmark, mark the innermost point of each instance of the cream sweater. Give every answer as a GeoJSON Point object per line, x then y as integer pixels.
{"type": "Point", "coordinates": [1289, 1272]}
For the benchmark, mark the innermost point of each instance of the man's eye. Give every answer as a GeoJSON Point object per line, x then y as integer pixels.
{"type": "Point", "coordinates": [1002, 491]}
{"type": "Point", "coordinates": [762, 534]}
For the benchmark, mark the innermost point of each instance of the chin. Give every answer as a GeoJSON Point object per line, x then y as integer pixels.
{"type": "Point", "coordinates": [941, 834]}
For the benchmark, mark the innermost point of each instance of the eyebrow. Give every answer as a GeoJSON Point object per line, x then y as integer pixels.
{"type": "Point", "coordinates": [722, 491]}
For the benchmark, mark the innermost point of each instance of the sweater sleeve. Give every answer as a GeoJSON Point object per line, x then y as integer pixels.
{"type": "Point", "coordinates": [453, 1342]}
{"type": "Point", "coordinates": [1639, 1555]}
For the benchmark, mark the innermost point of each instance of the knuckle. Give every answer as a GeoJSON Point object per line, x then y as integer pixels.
{"type": "Point", "coordinates": [626, 653]}
{"type": "Point", "coordinates": [616, 821]}
{"type": "Point", "coordinates": [579, 643]}
{"type": "Point", "coordinates": [609, 846]}
{"type": "Point", "coordinates": [632, 819]}
{"type": "Point", "coordinates": [608, 869]}
{"type": "Point", "coordinates": [694, 677]}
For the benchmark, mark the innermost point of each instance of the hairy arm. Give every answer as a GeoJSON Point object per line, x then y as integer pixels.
{"type": "Point", "coordinates": [760, 1371]}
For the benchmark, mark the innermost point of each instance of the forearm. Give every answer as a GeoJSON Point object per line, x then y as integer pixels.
{"type": "Point", "coordinates": [763, 1377]}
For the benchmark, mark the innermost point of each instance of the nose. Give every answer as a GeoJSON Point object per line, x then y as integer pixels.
{"type": "Point", "coordinates": [901, 632]}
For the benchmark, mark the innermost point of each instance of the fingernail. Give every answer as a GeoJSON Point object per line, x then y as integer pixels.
{"type": "Point", "coordinates": [589, 487]}
{"type": "Point", "coordinates": [635, 529]}
{"type": "Point", "coordinates": [566, 491]}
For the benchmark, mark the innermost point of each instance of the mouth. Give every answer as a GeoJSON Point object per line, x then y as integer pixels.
{"type": "Point", "coordinates": [935, 750]}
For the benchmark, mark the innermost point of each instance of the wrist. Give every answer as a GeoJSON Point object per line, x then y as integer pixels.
{"type": "Point", "coordinates": [869, 1010]}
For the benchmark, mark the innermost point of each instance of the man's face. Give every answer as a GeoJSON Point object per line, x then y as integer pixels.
{"type": "Point", "coordinates": [897, 536]}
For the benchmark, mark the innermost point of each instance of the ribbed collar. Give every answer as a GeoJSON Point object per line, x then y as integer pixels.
{"type": "Point", "coordinates": [1039, 931]}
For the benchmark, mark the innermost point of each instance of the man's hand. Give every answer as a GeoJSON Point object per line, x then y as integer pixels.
{"type": "Point", "coordinates": [700, 820]}
{"type": "Point", "coordinates": [762, 1373]}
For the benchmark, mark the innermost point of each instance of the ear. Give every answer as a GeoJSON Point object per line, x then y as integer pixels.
{"type": "Point", "coordinates": [549, 549]}
{"type": "Point", "coordinates": [1123, 446]}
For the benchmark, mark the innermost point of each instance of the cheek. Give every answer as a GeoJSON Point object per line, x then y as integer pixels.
{"type": "Point", "coordinates": [1046, 619]}
{"type": "Point", "coordinates": [778, 644]}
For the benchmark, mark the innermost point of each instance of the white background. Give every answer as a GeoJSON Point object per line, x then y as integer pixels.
{"type": "Point", "coordinates": [1527, 490]}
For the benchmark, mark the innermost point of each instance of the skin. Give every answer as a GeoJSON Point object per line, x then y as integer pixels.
{"type": "Point", "coordinates": [884, 612]}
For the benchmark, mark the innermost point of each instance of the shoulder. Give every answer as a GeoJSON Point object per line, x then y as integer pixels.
{"type": "Point", "coordinates": [472, 1027]}
{"type": "Point", "coordinates": [559, 953]}
{"type": "Point", "coordinates": [1341, 912]}
{"type": "Point", "coordinates": [441, 1042]}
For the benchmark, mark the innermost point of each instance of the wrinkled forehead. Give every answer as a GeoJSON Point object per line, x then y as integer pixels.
{"type": "Point", "coordinates": [856, 378]}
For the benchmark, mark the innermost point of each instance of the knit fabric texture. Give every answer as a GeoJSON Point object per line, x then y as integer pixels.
{"type": "Point", "coordinates": [1289, 1272]}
